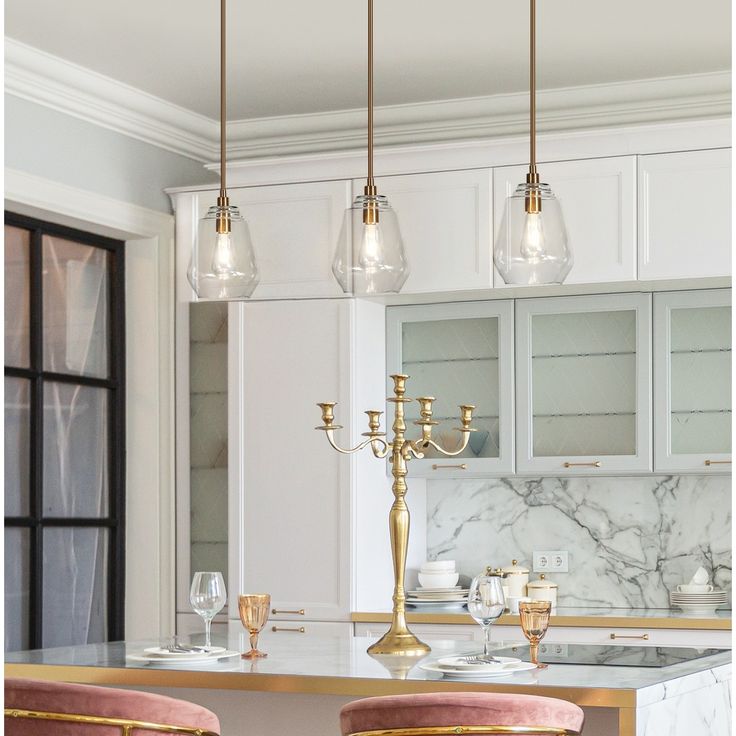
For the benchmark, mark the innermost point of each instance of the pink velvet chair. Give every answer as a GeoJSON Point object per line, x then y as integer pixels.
{"type": "Point", "coordinates": [459, 713]}
{"type": "Point", "coordinates": [38, 707]}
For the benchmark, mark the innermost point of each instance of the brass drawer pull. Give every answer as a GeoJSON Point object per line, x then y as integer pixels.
{"type": "Point", "coordinates": [594, 464]}
{"type": "Point", "coordinates": [462, 466]}
{"type": "Point", "coordinates": [300, 630]}
{"type": "Point", "coordinates": [276, 612]}
{"type": "Point", "coordinates": [645, 637]}
{"type": "Point", "coordinates": [717, 462]}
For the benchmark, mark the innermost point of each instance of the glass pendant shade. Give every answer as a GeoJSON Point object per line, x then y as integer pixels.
{"type": "Point", "coordinates": [223, 264]}
{"type": "Point", "coordinates": [531, 246]}
{"type": "Point", "coordinates": [370, 256]}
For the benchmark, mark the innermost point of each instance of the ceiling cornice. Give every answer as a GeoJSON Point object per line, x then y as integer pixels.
{"type": "Point", "coordinates": [58, 84]}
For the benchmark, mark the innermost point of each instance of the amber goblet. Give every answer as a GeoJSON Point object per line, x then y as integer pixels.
{"type": "Point", "coordinates": [534, 616]}
{"type": "Point", "coordinates": [254, 609]}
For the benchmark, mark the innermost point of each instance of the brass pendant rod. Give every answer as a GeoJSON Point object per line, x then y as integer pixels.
{"type": "Point", "coordinates": [533, 86]}
{"type": "Point", "coordinates": [223, 101]}
{"type": "Point", "coordinates": [370, 93]}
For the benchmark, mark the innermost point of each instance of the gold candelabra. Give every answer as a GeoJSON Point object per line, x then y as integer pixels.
{"type": "Point", "coordinates": [398, 640]}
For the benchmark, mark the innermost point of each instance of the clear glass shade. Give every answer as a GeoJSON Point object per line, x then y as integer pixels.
{"type": "Point", "coordinates": [370, 256]}
{"type": "Point", "coordinates": [223, 264]}
{"type": "Point", "coordinates": [531, 247]}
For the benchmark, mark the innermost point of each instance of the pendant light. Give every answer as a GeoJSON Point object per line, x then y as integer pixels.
{"type": "Point", "coordinates": [531, 247]}
{"type": "Point", "coordinates": [370, 255]}
{"type": "Point", "coordinates": [223, 264]}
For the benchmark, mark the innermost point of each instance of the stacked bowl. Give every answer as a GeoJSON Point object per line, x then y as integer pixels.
{"type": "Point", "coordinates": [438, 574]}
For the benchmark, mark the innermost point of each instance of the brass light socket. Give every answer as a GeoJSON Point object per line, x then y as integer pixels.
{"type": "Point", "coordinates": [533, 198]}
{"type": "Point", "coordinates": [222, 224]}
{"type": "Point", "coordinates": [370, 209]}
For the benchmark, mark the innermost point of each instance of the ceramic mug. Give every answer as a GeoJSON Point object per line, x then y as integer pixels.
{"type": "Point", "coordinates": [694, 588]}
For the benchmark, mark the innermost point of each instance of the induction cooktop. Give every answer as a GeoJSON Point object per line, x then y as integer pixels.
{"type": "Point", "coordinates": [614, 656]}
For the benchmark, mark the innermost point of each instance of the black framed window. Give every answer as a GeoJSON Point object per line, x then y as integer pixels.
{"type": "Point", "coordinates": [64, 435]}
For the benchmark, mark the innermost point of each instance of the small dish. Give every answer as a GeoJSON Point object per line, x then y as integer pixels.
{"type": "Point", "coordinates": [175, 661]}
{"type": "Point", "coordinates": [501, 671]}
{"type": "Point", "coordinates": [459, 663]}
{"type": "Point", "coordinates": [167, 653]}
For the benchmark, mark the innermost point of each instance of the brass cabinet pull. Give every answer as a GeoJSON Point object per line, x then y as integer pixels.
{"type": "Point", "coordinates": [300, 630]}
{"type": "Point", "coordinates": [462, 466]}
{"type": "Point", "coordinates": [717, 462]}
{"type": "Point", "coordinates": [640, 636]}
{"type": "Point", "coordinates": [276, 611]}
{"type": "Point", "coordinates": [594, 464]}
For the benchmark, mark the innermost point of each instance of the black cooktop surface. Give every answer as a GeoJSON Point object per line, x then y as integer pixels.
{"type": "Point", "coordinates": [616, 656]}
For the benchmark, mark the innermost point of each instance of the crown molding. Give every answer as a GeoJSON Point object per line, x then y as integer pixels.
{"type": "Point", "coordinates": [58, 84]}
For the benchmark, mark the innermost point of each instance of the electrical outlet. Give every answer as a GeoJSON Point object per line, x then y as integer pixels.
{"type": "Point", "coordinates": [550, 561]}
{"type": "Point", "coordinates": [554, 650]}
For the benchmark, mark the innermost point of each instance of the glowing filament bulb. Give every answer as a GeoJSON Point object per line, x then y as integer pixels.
{"type": "Point", "coordinates": [223, 259]}
{"type": "Point", "coordinates": [371, 253]}
{"type": "Point", "coordinates": [532, 238]}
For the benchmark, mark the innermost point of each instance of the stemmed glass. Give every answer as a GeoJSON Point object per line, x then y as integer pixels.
{"type": "Point", "coordinates": [534, 616]}
{"type": "Point", "coordinates": [254, 609]}
{"type": "Point", "coordinates": [486, 604]}
{"type": "Point", "coordinates": [208, 597]}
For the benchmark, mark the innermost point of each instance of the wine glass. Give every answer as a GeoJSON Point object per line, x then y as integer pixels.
{"type": "Point", "coordinates": [254, 609]}
{"type": "Point", "coordinates": [485, 604]}
{"type": "Point", "coordinates": [208, 597]}
{"type": "Point", "coordinates": [534, 616]}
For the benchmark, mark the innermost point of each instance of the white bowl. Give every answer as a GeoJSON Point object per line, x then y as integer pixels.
{"type": "Point", "coordinates": [438, 566]}
{"type": "Point", "coordinates": [438, 580]}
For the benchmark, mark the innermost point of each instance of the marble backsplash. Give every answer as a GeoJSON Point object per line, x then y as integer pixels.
{"type": "Point", "coordinates": [630, 540]}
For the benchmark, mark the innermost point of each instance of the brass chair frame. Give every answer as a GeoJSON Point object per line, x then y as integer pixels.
{"type": "Point", "coordinates": [484, 730]}
{"type": "Point", "coordinates": [126, 725]}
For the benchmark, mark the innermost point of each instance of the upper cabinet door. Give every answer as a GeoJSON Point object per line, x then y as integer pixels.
{"type": "Point", "coordinates": [584, 384]}
{"type": "Point", "coordinates": [460, 354]}
{"type": "Point", "coordinates": [598, 200]}
{"type": "Point", "coordinates": [294, 228]}
{"type": "Point", "coordinates": [692, 381]}
{"type": "Point", "coordinates": [685, 214]}
{"type": "Point", "coordinates": [445, 221]}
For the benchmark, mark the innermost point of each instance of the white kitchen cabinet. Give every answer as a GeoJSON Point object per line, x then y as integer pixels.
{"type": "Point", "coordinates": [445, 221]}
{"type": "Point", "coordinates": [289, 491]}
{"type": "Point", "coordinates": [685, 214]}
{"type": "Point", "coordinates": [692, 381]}
{"type": "Point", "coordinates": [584, 384]}
{"type": "Point", "coordinates": [460, 353]}
{"type": "Point", "coordinates": [598, 200]}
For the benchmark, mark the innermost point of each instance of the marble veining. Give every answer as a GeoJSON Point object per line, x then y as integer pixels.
{"type": "Point", "coordinates": [631, 539]}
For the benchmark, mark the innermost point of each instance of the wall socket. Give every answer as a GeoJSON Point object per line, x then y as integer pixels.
{"type": "Point", "coordinates": [550, 561]}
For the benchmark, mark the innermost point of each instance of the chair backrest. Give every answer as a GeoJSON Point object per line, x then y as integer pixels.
{"type": "Point", "coordinates": [35, 707]}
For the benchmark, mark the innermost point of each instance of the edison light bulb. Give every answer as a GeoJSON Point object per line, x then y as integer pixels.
{"type": "Point", "coordinates": [370, 254]}
{"type": "Point", "coordinates": [532, 238]}
{"type": "Point", "coordinates": [223, 259]}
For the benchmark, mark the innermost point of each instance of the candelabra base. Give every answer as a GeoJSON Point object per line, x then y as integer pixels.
{"type": "Point", "coordinates": [398, 642]}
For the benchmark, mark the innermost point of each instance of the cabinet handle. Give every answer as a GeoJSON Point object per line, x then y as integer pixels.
{"type": "Point", "coordinates": [300, 630]}
{"type": "Point", "coordinates": [717, 462]}
{"type": "Point", "coordinates": [594, 464]}
{"type": "Point", "coordinates": [276, 611]}
{"type": "Point", "coordinates": [462, 466]}
{"type": "Point", "coordinates": [640, 636]}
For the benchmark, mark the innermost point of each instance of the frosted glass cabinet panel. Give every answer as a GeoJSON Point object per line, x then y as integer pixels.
{"type": "Point", "coordinates": [584, 384]}
{"type": "Point", "coordinates": [460, 354]}
{"type": "Point", "coordinates": [692, 364]}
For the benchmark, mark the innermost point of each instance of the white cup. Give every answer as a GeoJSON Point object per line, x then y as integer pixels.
{"type": "Point", "coordinates": [694, 588]}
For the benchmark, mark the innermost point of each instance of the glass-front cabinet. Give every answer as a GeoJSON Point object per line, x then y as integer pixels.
{"type": "Point", "coordinates": [692, 381]}
{"type": "Point", "coordinates": [459, 354]}
{"type": "Point", "coordinates": [584, 384]}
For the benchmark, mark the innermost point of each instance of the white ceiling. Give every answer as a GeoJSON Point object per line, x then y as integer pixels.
{"type": "Point", "coordinates": [289, 57]}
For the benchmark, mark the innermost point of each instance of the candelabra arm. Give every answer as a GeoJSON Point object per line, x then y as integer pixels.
{"type": "Point", "coordinates": [346, 450]}
{"type": "Point", "coordinates": [452, 453]}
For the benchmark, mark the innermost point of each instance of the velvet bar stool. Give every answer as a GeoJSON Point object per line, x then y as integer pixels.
{"type": "Point", "coordinates": [437, 714]}
{"type": "Point", "coordinates": [40, 708]}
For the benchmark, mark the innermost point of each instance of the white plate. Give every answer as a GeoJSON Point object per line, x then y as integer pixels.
{"type": "Point", "coordinates": [503, 671]}
{"type": "Point", "coordinates": [458, 663]}
{"type": "Point", "coordinates": [454, 589]}
{"type": "Point", "coordinates": [168, 661]}
{"type": "Point", "coordinates": [698, 609]}
{"type": "Point", "coordinates": [446, 604]}
{"type": "Point", "coordinates": [432, 599]}
{"type": "Point", "coordinates": [165, 653]}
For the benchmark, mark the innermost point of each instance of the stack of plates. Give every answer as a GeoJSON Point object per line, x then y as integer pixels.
{"type": "Point", "coordinates": [455, 597]}
{"type": "Point", "coordinates": [699, 602]}
{"type": "Point", "coordinates": [194, 656]}
{"type": "Point", "coordinates": [458, 667]}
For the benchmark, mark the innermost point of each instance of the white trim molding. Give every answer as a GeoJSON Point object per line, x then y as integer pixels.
{"type": "Point", "coordinates": [149, 313]}
{"type": "Point", "coordinates": [54, 82]}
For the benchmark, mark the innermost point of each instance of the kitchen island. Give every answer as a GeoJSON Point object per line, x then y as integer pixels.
{"type": "Point", "coordinates": [301, 685]}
